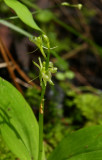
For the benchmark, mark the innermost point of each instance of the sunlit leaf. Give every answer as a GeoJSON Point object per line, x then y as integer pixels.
{"type": "Point", "coordinates": [18, 124]}
{"type": "Point", "coordinates": [23, 13]}
{"type": "Point", "coordinates": [85, 144]}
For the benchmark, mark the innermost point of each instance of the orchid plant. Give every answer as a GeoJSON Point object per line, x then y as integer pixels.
{"type": "Point", "coordinates": [18, 125]}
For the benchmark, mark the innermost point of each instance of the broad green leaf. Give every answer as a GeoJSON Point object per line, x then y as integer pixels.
{"type": "Point", "coordinates": [18, 124]}
{"type": "Point", "coordinates": [23, 13]}
{"type": "Point", "coordinates": [95, 155]}
{"type": "Point", "coordinates": [85, 144]}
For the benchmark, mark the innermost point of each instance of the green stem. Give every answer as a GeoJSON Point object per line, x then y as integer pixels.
{"type": "Point", "coordinates": [41, 117]}
{"type": "Point", "coordinates": [48, 56]}
{"type": "Point", "coordinates": [41, 110]}
{"type": "Point", "coordinates": [47, 60]}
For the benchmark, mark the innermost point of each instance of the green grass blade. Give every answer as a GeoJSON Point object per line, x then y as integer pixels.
{"type": "Point", "coordinates": [15, 28]}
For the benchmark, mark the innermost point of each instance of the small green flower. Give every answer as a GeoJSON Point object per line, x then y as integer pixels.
{"type": "Point", "coordinates": [39, 42]}
{"type": "Point", "coordinates": [45, 75]}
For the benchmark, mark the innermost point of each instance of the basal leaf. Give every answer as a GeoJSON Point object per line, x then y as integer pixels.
{"type": "Point", "coordinates": [23, 13]}
{"type": "Point", "coordinates": [85, 144]}
{"type": "Point", "coordinates": [95, 155]}
{"type": "Point", "coordinates": [18, 124]}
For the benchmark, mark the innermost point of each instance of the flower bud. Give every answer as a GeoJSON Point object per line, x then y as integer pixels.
{"type": "Point", "coordinates": [45, 77]}
{"type": "Point", "coordinates": [50, 64]}
{"type": "Point", "coordinates": [53, 70]}
{"type": "Point", "coordinates": [39, 40]}
{"type": "Point", "coordinates": [44, 63]}
{"type": "Point", "coordinates": [45, 38]}
{"type": "Point", "coordinates": [80, 6]}
{"type": "Point", "coordinates": [50, 81]}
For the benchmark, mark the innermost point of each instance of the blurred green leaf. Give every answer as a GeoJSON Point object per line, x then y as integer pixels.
{"type": "Point", "coordinates": [60, 76]}
{"type": "Point", "coordinates": [69, 74]}
{"type": "Point", "coordinates": [61, 64]}
{"type": "Point", "coordinates": [45, 16]}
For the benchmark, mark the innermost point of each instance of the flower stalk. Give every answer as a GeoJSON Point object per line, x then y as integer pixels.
{"type": "Point", "coordinates": [46, 69]}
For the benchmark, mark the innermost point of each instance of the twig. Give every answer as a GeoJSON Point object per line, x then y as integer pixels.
{"type": "Point", "coordinates": [6, 53]}
{"type": "Point", "coordinates": [75, 51]}
{"type": "Point", "coordinates": [80, 77]}
{"type": "Point", "coordinates": [23, 83]}
{"type": "Point", "coordinates": [3, 52]}
{"type": "Point", "coordinates": [72, 53]}
{"type": "Point", "coordinates": [23, 75]}
{"type": "Point", "coordinates": [4, 65]}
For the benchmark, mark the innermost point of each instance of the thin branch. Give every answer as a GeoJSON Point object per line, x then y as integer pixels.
{"type": "Point", "coordinates": [4, 65]}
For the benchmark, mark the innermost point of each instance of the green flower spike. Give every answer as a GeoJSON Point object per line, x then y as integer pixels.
{"type": "Point", "coordinates": [45, 76]}
{"type": "Point", "coordinates": [38, 41]}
